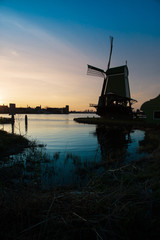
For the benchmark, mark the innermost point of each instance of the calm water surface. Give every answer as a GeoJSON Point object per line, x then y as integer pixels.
{"type": "Point", "coordinates": [75, 150]}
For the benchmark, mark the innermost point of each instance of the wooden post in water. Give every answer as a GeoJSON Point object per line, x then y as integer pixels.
{"type": "Point", "coordinates": [12, 112]}
{"type": "Point", "coordinates": [26, 123]}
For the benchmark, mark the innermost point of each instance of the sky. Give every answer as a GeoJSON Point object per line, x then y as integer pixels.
{"type": "Point", "coordinates": [45, 47]}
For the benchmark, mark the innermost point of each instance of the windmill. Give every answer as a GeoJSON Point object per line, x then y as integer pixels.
{"type": "Point", "coordinates": [115, 100]}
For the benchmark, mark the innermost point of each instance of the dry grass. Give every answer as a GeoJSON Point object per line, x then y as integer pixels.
{"type": "Point", "coordinates": [122, 203]}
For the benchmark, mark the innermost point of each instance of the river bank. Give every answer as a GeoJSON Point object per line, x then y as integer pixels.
{"type": "Point", "coordinates": [11, 144]}
{"type": "Point", "coordinates": [121, 203]}
{"type": "Point", "coordinates": [4, 120]}
{"type": "Point", "coordinates": [135, 123]}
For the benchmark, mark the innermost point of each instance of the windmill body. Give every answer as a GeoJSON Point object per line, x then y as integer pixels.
{"type": "Point", "coordinates": [118, 82]}
{"type": "Point", "coordinates": [115, 99]}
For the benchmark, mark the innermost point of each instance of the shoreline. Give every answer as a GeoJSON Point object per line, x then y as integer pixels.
{"type": "Point", "coordinates": [11, 144]}
{"type": "Point", "coordinates": [135, 124]}
{"type": "Point", "coordinates": [111, 123]}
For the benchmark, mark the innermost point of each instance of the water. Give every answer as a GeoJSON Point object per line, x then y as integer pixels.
{"type": "Point", "coordinates": [59, 132]}
{"type": "Point", "coordinates": [75, 151]}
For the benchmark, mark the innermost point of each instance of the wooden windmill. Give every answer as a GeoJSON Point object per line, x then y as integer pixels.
{"type": "Point", "coordinates": [115, 100]}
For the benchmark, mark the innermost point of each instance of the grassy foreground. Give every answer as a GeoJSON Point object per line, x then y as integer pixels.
{"type": "Point", "coordinates": [121, 203]}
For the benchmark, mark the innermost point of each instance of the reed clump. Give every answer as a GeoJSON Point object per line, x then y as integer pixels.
{"type": "Point", "coordinates": [151, 142]}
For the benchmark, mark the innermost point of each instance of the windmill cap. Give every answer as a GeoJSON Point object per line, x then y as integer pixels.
{"type": "Point", "coordinates": [117, 70]}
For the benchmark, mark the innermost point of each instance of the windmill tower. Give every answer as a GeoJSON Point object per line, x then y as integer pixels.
{"type": "Point", "coordinates": [115, 100]}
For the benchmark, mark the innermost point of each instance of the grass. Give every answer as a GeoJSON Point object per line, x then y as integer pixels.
{"type": "Point", "coordinates": [151, 142]}
{"type": "Point", "coordinates": [11, 143]}
{"type": "Point", "coordinates": [121, 203]}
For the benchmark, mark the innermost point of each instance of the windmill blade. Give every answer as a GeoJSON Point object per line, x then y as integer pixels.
{"type": "Point", "coordinates": [94, 71]}
{"type": "Point", "coordinates": [109, 61]}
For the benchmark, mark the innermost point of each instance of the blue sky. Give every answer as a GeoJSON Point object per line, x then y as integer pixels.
{"type": "Point", "coordinates": [45, 47]}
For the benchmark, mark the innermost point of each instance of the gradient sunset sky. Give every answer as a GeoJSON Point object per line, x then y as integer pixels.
{"type": "Point", "coordinates": [45, 46]}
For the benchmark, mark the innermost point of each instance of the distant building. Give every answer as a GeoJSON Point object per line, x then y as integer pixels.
{"type": "Point", "coordinates": [12, 109]}
{"type": "Point", "coordinates": [38, 108]}
{"type": "Point", "coordinates": [4, 109]}
{"type": "Point", "coordinates": [66, 109]}
{"type": "Point", "coordinates": [151, 109]}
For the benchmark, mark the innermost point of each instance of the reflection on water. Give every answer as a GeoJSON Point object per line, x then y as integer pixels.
{"type": "Point", "coordinates": [118, 145]}
{"type": "Point", "coordinates": [113, 143]}
{"type": "Point", "coordinates": [73, 151]}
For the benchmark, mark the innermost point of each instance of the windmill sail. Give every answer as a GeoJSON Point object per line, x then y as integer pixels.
{"type": "Point", "coordinates": [109, 62]}
{"type": "Point", "coordinates": [94, 71]}
{"type": "Point", "coordinates": [105, 79]}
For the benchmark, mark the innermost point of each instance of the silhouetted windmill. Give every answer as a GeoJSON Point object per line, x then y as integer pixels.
{"type": "Point", "coordinates": [115, 100]}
